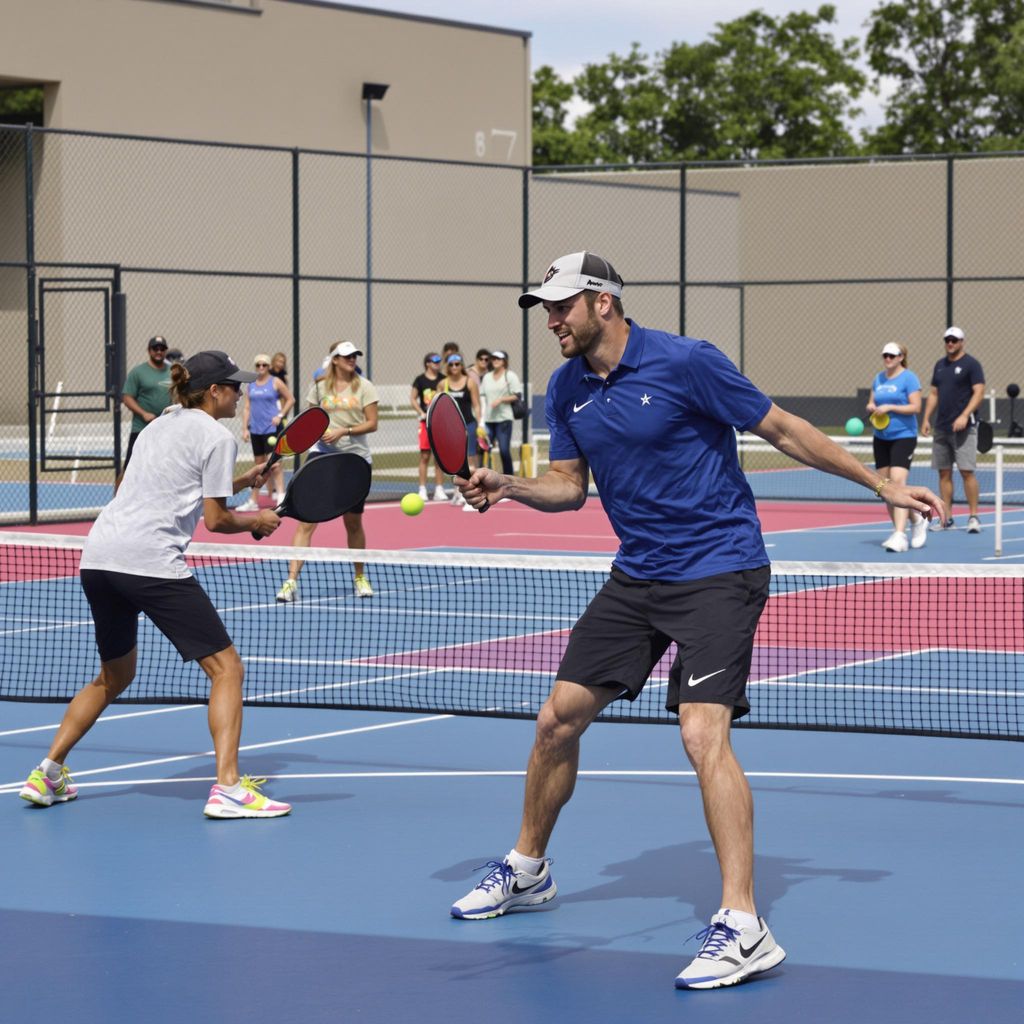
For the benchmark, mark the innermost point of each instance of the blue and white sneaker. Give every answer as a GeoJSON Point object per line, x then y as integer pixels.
{"type": "Point", "coordinates": [730, 953]}
{"type": "Point", "coordinates": [503, 889]}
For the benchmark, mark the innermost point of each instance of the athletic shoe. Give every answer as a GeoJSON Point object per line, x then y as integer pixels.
{"type": "Point", "coordinates": [251, 803]}
{"type": "Point", "coordinates": [252, 505]}
{"type": "Point", "coordinates": [458, 499]}
{"type": "Point", "coordinates": [278, 497]}
{"type": "Point", "coordinates": [289, 590]}
{"type": "Point", "coordinates": [362, 586]}
{"type": "Point", "coordinates": [729, 954]}
{"type": "Point", "coordinates": [503, 889]}
{"type": "Point", "coordinates": [41, 790]}
{"type": "Point", "coordinates": [947, 525]}
{"type": "Point", "coordinates": [919, 533]}
{"type": "Point", "coordinates": [973, 525]}
{"type": "Point", "coordinates": [468, 508]}
{"type": "Point", "coordinates": [440, 494]}
{"type": "Point", "coordinates": [422, 492]}
{"type": "Point", "coordinates": [897, 541]}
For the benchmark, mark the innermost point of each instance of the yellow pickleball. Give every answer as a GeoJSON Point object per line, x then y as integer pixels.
{"type": "Point", "coordinates": [271, 440]}
{"type": "Point", "coordinates": [879, 420]}
{"type": "Point", "coordinates": [412, 504]}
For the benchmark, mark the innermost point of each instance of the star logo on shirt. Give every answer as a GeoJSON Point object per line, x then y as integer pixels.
{"type": "Point", "coordinates": [645, 399]}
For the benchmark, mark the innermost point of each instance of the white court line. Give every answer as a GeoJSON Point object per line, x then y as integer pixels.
{"type": "Point", "coordinates": [584, 773]}
{"type": "Point", "coordinates": [9, 786]}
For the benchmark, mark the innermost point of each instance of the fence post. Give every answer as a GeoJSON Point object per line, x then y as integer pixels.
{"type": "Point", "coordinates": [33, 326]}
{"type": "Point", "coordinates": [526, 447]}
{"type": "Point", "coordinates": [949, 242]}
{"type": "Point", "coordinates": [682, 249]}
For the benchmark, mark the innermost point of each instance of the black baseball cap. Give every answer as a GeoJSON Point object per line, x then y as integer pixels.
{"type": "Point", "coordinates": [157, 342]}
{"type": "Point", "coordinates": [213, 367]}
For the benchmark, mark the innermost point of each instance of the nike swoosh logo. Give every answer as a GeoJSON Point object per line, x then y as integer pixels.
{"type": "Point", "coordinates": [576, 408]}
{"type": "Point", "coordinates": [516, 888]}
{"type": "Point", "coordinates": [746, 952]}
{"type": "Point", "coordinates": [695, 682]}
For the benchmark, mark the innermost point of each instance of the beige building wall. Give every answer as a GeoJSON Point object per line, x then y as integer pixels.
{"type": "Point", "coordinates": [274, 72]}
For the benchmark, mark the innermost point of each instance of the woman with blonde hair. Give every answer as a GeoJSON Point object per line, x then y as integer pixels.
{"type": "Point", "coordinates": [895, 402]}
{"type": "Point", "coordinates": [351, 403]}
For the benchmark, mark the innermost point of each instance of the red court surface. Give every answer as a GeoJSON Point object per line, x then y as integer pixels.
{"type": "Point", "coordinates": [510, 526]}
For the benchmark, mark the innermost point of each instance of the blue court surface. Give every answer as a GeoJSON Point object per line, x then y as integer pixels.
{"type": "Point", "coordinates": [888, 867]}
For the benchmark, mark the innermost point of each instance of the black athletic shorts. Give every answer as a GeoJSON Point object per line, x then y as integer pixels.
{"type": "Point", "coordinates": [894, 453]}
{"type": "Point", "coordinates": [180, 609]}
{"type": "Point", "coordinates": [259, 443]}
{"type": "Point", "coordinates": [630, 623]}
{"type": "Point", "coordinates": [355, 508]}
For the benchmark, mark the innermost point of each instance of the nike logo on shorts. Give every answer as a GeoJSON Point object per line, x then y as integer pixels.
{"type": "Point", "coordinates": [696, 682]}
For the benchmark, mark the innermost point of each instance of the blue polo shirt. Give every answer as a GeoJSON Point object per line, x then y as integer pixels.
{"type": "Point", "coordinates": [658, 435]}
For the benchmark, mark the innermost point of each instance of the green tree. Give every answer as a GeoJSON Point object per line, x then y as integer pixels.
{"type": "Point", "coordinates": [759, 87]}
{"type": "Point", "coordinates": [957, 70]}
{"type": "Point", "coordinates": [21, 106]}
{"type": "Point", "coordinates": [553, 142]}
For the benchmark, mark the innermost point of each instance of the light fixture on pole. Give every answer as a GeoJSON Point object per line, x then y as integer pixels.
{"type": "Point", "coordinates": [371, 91]}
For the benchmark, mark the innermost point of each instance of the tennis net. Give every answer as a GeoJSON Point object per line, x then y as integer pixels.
{"type": "Point", "coordinates": [935, 650]}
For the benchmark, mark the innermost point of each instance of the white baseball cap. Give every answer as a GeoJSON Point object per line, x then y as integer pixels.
{"type": "Point", "coordinates": [346, 348]}
{"type": "Point", "coordinates": [954, 332]}
{"type": "Point", "coordinates": [892, 349]}
{"type": "Point", "coordinates": [572, 274]}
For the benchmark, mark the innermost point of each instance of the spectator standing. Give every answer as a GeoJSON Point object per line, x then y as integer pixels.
{"type": "Point", "coordinates": [421, 394]}
{"type": "Point", "coordinates": [463, 389]}
{"type": "Point", "coordinates": [267, 404]}
{"type": "Point", "coordinates": [958, 387]}
{"type": "Point", "coordinates": [498, 390]}
{"type": "Point", "coordinates": [896, 393]}
{"type": "Point", "coordinates": [146, 392]}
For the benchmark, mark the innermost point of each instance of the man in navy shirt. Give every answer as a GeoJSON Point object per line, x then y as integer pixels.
{"type": "Point", "coordinates": [958, 387]}
{"type": "Point", "coordinates": [654, 416]}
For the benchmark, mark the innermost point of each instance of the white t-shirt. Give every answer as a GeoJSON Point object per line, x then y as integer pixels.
{"type": "Point", "coordinates": [491, 389]}
{"type": "Point", "coordinates": [182, 457]}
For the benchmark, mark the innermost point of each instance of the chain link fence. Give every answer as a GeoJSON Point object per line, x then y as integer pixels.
{"type": "Point", "coordinates": [800, 272]}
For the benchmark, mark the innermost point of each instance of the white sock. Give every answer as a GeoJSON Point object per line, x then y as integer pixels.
{"type": "Point", "coordinates": [520, 862]}
{"type": "Point", "coordinates": [742, 918]}
{"type": "Point", "coordinates": [235, 790]}
{"type": "Point", "coordinates": [51, 769]}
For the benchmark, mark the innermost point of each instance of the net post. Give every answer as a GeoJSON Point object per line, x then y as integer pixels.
{"type": "Point", "coordinates": [526, 460]}
{"type": "Point", "coordinates": [999, 500]}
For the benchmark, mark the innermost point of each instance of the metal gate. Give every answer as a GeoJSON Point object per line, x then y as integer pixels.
{"type": "Point", "coordinates": [75, 422]}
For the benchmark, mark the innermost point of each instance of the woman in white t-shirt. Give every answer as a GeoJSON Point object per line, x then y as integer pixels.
{"type": "Point", "coordinates": [134, 561]}
{"type": "Point", "coordinates": [498, 390]}
{"type": "Point", "coordinates": [351, 403]}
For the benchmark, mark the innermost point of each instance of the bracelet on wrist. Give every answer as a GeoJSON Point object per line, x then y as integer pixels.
{"type": "Point", "coordinates": [880, 485]}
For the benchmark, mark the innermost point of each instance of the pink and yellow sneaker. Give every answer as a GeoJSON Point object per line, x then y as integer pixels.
{"type": "Point", "coordinates": [42, 791]}
{"type": "Point", "coordinates": [250, 803]}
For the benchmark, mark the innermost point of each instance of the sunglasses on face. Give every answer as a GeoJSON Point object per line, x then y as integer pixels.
{"type": "Point", "coordinates": [889, 355]}
{"type": "Point", "coordinates": [262, 364]}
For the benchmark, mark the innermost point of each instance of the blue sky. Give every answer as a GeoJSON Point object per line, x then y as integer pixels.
{"type": "Point", "coordinates": [567, 36]}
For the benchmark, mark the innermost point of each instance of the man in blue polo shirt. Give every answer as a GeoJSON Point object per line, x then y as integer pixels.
{"type": "Point", "coordinates": [653, 415]}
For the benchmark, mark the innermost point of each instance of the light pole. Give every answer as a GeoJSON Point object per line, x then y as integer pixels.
{"type": "Point", "coordinates": [371, 91]}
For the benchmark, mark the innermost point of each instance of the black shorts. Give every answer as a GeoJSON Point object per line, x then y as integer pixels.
{"type": "Point", "coordinates": [259, 443]}
{"type": "Point", "coordinates": [132, 438]}
{"type": "Point", "coordinates": [898, 453]}
{"type": "Point", "coordinates": [180, 609]}
{"type": "Point", "coordinates": [358, 509]}
{"type": "Point", "coordinates": [629, 624]}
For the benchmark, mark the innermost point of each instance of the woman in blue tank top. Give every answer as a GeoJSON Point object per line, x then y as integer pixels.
{"type": "Point", "coordinates": [267, 403]}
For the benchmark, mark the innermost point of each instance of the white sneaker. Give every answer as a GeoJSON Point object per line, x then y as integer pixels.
{"type": "Point", "coordinates": [440, 494]}
{"type": "Point", "coordinates": [730, 953]}
{"type": "Point", "coordinates": [362, 587]}
{"type": "Point", "coordinates": [919, 533]}
{"type": "Point", "coordinates": [422, 493]}
{"type": "Point", "coordinates": [897, 541]}
{"type": "Point", "coordinates": [289, 590]}
{"type": "Point", "coordinates": [503, 889]}
{"type": "Point", "coordinates": [248, 506]}
{"type": "Point", "coordinates": [468, 508]}
{"type": "Point", "coordinates": [973, 524]}
{"type": "Point", "coordinates": [278, 497]}
{"type": "Point", "coordinates": [458, 499]}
